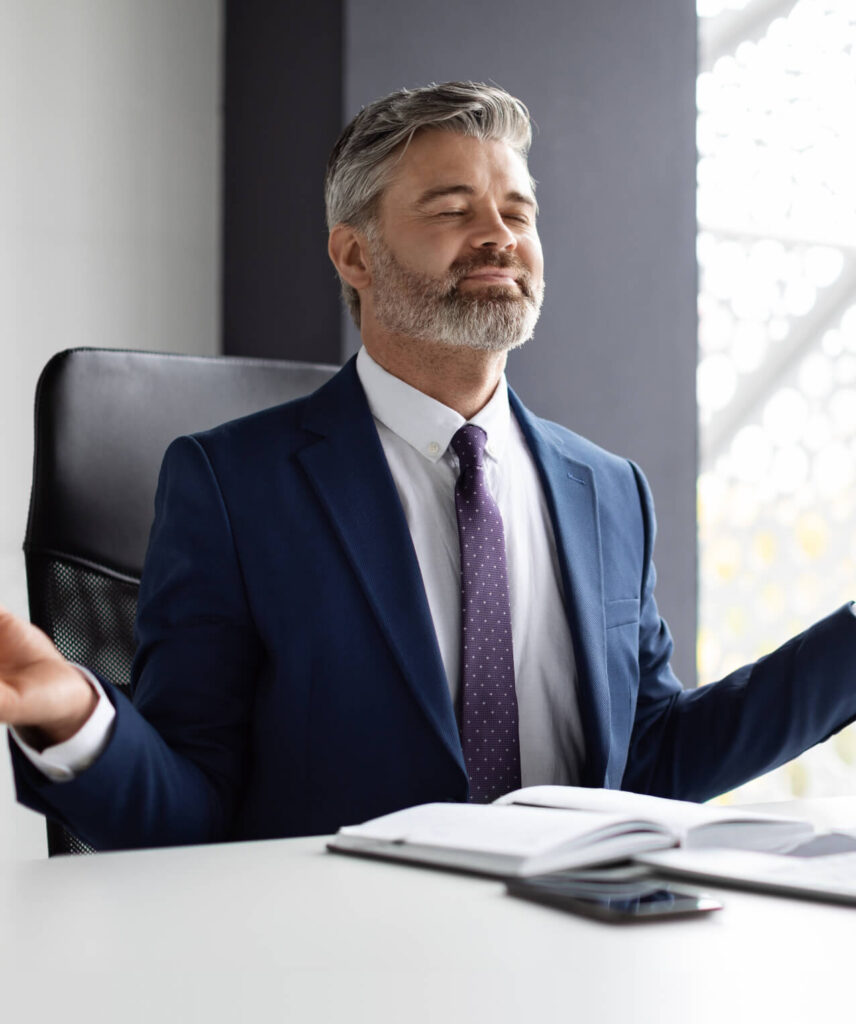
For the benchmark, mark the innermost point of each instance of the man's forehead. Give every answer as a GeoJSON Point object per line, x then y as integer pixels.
{"type": "Point", "coordinates": [440, 162]}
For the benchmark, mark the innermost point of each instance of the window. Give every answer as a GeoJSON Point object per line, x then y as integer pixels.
{"type": "Point", "coordinates": [777, 341]}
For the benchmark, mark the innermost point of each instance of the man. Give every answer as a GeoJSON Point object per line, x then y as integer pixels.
{"type": "Point", "coordinates": [405, 587]}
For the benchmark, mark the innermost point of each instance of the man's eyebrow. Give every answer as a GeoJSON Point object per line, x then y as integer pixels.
{"type": "Point", "coordinates": [519, 197]}
{"type": "Point", "coordinates": [443, 190]}
{"type": "Point", "coordinates": [429, 195]}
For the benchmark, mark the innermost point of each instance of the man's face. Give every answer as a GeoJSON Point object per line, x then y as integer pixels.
{"type": "Point", "coordinates": [455, 254]}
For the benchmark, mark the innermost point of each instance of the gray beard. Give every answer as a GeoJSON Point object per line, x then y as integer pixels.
{"type": "Point", "coordinates": [425, 308]}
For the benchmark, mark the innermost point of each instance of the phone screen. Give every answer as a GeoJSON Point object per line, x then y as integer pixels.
{"type": "Point", "coordinates": [610, 899]}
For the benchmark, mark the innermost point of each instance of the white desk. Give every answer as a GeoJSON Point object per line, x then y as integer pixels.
{"type": "Point", "coordinates": [282, 931]}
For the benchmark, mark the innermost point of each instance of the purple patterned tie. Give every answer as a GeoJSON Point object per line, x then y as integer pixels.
{"type": "Point", "coordinates": [489, 732]}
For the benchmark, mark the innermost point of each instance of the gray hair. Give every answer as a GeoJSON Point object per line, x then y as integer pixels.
{"type": "Point", "coordinates": [361, 162]}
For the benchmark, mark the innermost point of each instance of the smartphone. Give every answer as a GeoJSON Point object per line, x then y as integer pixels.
{"type": "Point", "coordinates": [619, 900]}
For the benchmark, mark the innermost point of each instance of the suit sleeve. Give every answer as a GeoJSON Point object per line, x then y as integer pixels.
{"type": "Point", "coordinates": [695, 744]}
{"type": "Point", "coordinates": [174, 766]}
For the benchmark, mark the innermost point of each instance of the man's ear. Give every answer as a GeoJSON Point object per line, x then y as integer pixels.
{"type": "Point", "coordinates": [348, 251]}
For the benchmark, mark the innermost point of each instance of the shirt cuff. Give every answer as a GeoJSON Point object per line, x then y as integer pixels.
{"type": "Point", "coordinates": [65, 761]}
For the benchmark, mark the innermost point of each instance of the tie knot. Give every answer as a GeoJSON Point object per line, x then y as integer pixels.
{"type": "Point", "coordinates": [468, 444]}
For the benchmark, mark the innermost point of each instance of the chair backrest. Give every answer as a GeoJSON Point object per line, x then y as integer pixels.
{"type": "Point", "coordinates": [104, 418]}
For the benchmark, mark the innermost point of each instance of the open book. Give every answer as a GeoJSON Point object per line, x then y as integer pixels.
{"type": "Point", "coordinates": [540, 829]}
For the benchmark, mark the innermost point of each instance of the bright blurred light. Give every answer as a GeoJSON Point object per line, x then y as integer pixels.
{"type": "Point", "coordinates": [818, 432]}
{"type": "Point", "coordinates": [799, 297]}
{"type": "Point", "coordinates": [749, 345]}
{"type": "Point", "coordinates": [743, 507]}
{"type": "Point", "coordinates": [833, 470]}
{"type": "Point", "coordinates": [845, 369]}
{"type": "Point", "coordinates": [712, 494]}
{"type": "Point", "coordinates": [716, 382]}
{"type": "Point", "coordinates": [815, 376]}
{"type": "Point", "coordinates": [776, 132]}
{"type": "Point", "coordinates": [785, 414]}
{"type": "Point", "coordinates": [777, 213]}
{"type": "Point", "coordinates": [848, 325]}
{"type": "Point", "coordinates": [789, 469]}
{"type": "Point", "coordinates": [778, 328]}
{"type": "Point", "coordinates": [842, 409]}
{"type": "Point", "coordinates": [750, 453]}
{"type": "Point", "coordinates": [832, 343]}
{"type": "Point", "coordinates": [823, 265]}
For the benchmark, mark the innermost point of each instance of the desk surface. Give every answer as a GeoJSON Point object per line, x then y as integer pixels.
{"type": "Point", "coordinates": [283, 931]}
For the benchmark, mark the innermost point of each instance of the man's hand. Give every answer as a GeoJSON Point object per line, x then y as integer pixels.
{"type": "Point", "coordinates": [41, 694]}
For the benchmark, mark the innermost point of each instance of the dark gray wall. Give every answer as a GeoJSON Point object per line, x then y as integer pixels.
{"type": "Point", "coordinates": [612, 89]}
{"type": "Point", "coordinates": [282, 101]}
{"type": "Point", "coordinates": [611, 86]}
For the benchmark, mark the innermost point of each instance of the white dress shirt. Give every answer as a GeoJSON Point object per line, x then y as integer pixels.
{"type": "Point", "coordinates": [415, 432]}
{"type": "Point", "coordinates": [63, 761]}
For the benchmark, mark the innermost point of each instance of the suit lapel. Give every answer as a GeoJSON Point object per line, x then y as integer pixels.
{"type": "Point", "coordinates": [572, 500]}
{"type": "Point", "coordinates": [350, 475]}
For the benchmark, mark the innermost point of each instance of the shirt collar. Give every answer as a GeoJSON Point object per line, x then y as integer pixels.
{"type": "Point", "coordinates": [423, 422]}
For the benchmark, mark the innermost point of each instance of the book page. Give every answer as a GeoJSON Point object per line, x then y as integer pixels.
{"type": "Point", "coordinates": [506, 830]}
{"type": "Point", "coordinates": [680, 816]}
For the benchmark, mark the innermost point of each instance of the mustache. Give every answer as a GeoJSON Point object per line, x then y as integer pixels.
{"type": "Point", "coordinates": [502, 260]}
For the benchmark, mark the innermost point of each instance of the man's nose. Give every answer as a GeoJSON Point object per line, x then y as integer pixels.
{"type": "Point", "coordinates": [491, 232]}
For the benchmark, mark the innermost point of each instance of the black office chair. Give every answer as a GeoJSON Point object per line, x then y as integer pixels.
{"type": "Point", "coordinates": [104, 418]}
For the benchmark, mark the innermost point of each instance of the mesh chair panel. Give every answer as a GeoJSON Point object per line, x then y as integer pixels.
{"type": "Point", "coordinates": [61, 841]}
{"type": "Point", "coordinates": [89, 615]}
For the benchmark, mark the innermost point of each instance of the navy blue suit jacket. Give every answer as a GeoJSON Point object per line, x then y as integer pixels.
{"type": "Point", "coordinates": [288, 678]}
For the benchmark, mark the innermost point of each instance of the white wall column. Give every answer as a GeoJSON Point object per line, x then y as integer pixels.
{"type": "Point", "coordinates": [110, 168]}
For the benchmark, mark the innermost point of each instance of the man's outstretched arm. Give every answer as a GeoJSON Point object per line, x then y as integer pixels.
{"type": "Point", "coordinates": [46, 699]}
{"type": "Point", "coordinates": [173, 764]}
{"type": "Point", "coordinates": [696, 744]}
